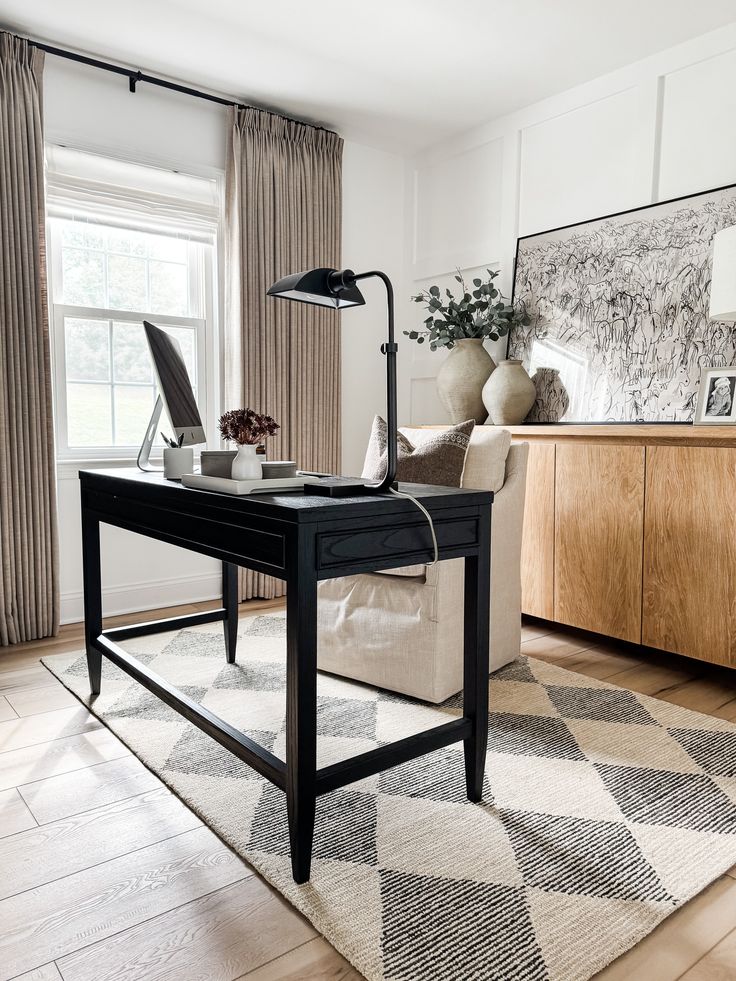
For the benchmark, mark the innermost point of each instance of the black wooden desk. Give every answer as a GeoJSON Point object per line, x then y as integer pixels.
{"type": "Point", "coordinates": [302, 540]}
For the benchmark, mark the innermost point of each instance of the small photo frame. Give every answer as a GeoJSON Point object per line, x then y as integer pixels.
{"type": "Point", "coordinates": [716, 398]}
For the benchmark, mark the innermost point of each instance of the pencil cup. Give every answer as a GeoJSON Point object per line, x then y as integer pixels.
{"type": "Point", "coordinates": [178, 462]}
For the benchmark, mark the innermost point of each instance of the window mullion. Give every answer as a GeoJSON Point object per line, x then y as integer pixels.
{"type": "Point", "coordinates": [111, 370]}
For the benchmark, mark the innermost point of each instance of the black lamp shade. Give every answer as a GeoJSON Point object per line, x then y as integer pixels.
{"type": "Point", "coordinates": [323, 287]}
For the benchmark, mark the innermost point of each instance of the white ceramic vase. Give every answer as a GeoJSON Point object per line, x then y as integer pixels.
{"type": "Point", "coordinates": [509, 394]}
{"type": "Point", "coordinates": [461, 378]}
{"type": "Point", "coordinates": [246, 465]}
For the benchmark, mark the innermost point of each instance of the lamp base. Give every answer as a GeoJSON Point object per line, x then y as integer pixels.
{"type": "Point", "coordinates": [340, 487]}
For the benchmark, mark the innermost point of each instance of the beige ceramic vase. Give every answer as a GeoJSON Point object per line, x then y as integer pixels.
{"type": "Point", "coordinates": [509, 394]}
{"type": "Point", "coordinates": [461, 378]}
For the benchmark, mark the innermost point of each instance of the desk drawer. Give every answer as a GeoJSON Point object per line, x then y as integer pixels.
{"type": "Point", "coordinates": [255, 546]}
{"type": "Point", "coordinates": [394, 546]}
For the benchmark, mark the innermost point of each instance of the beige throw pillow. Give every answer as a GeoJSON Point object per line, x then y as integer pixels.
{"type": "Point", "coordinates": [438, 460]}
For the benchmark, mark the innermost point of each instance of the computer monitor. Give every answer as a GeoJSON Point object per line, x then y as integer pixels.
{"type": "Point", "coordinates": [175, 393]}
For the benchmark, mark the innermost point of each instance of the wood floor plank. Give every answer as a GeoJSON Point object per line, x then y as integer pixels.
{"type": "Point", "coordinates": [18, 733]}
{"type": "Point", "coordinates": [32, 858]}
{"type": "Point", "coordinates": [48, 972]}
{"type": "Point", "coordinates": [20, 656]}
{"type": "Point", "coordinates": [21, 766]}
{"type": "Point", "coordinates": [726, 711]}
{"type": "Point", "coordinates": [20, 679]}
{"type": "Point", "coordinates": [552, 646]}
{"type": "Point", "coordinates": [315, 961]}
{"type": "Point", "coordinates": [37, 700]}
{"type": "Point", "coordinates": [218, 937]}
{"type": "Point", "coordinates": [14, 813]}
{"type": "Point", "coordinates": [706, 694]}
{"type": "Point", "coordinates": [64, 916]}
{"type": "Point", "coordinates": [681, 940]}
{"type": "Point", "coordinates": [719, 964]}
{"type": "Point", "coordinates": [533, 631]}
{"type": "Point", "coordinates": [6, 710]}
{"type": "Point", "coordinates": [649, 679]}
{"type": "Point", "coordinates": [596, 663]}
{"type": "Point", "coordinates": [69, 793]}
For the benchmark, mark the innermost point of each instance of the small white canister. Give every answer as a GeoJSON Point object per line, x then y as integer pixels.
{"type": "Point", "coordinates": [178, 461]}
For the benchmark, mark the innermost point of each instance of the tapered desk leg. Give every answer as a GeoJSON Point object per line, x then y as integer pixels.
{"type": "Point", "coordinates": [92, 588]}
{"type": "Point", "coordinates": [475, 659]}
{"type": "Point", "coordinates": [301, 707]}
{"type": "Point", "coordinates": [230, 604]}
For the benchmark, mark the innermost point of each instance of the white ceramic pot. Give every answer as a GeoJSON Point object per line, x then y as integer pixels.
{"type": "Point", "coordinates": [461, 378]}
{"type": "Point", "coordinates": [178, 461]}
{"type": "Point", "coordinates": [246, 465]}
{"type": "Point", "coordinates": [509, 394]}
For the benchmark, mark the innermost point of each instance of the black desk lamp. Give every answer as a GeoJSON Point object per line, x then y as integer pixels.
{"type": "Point", "coordinates": [337, 289]}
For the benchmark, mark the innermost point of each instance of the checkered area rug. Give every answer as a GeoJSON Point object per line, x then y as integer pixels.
{"type": "Point", "coordinates": [603, 811]}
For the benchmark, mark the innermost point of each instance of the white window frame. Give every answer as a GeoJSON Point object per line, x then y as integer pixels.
{"type": "Point", "coordinates": [201, 284]}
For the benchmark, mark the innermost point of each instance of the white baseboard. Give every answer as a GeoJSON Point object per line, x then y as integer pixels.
{"type": "Point", "coordinates": [148, 595]}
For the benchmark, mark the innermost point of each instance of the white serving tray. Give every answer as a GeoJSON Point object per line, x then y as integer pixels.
{"type": "Point", "coordinates": [224, 485]}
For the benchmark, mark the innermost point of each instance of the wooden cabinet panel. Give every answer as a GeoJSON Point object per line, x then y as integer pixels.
{"type": "Point", "coordinates": [599, 514]}
{"type": "Point", "coordinates": [538, 539]}
{"type": "Point", "coordinates": [690, 552]}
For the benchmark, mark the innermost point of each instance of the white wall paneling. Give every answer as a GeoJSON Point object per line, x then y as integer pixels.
{"type": "Point", "coordinates": [591, 160]}
{"type": "Point", "coordinates": [699, 126]}
{"type": "Point", "coordinates": [458, 206]}
{"type": "Point", "coordinates": [659, 128]}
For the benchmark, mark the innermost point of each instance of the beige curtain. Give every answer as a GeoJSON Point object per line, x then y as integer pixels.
{"type": "Point", "coordinates": [283, 215]}
{"type": "Point", "coordinates": [29, 601]}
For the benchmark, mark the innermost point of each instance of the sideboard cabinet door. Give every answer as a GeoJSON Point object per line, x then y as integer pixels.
{"type": "Point", "coordinates": [599, 514]}
{"type": "Point", "coordinates": [690, 552]}
{"type": "Point", "coordinates": [538, 537]}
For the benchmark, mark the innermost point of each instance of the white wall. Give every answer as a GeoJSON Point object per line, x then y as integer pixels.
{"type": "Point", "coordinates": [373, 229]}
{"type": "Point", "coordinates": [89, 109]}
{"type": "Point", "coordinates": [660, 128]}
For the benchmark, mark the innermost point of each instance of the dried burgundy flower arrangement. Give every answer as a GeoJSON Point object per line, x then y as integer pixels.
{"type": "Point", "coordinates": [246, 427]}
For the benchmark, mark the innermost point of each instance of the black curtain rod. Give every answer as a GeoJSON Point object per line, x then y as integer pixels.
{"type": "Point", "coordinates": [135, 76]}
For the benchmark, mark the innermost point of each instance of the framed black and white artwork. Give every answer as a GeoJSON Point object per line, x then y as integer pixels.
{"type": "Point", "coordinates": [618, 307]}
{"type": "Point", "coordinates": [716, 404]}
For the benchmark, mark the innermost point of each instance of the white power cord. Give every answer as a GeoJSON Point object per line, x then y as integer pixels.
{"type": "Point", "coordinates": [426, 514]}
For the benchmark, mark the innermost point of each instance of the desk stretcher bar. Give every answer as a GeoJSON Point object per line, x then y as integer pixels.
{"type": "Point", "coordinates": [239, 744]}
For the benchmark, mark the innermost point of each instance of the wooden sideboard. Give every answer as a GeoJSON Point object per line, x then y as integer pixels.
{"type": "Point", "coordinates": [630, 531]}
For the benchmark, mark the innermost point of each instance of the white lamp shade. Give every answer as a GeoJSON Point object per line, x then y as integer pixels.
{"type": "Point", "coordinates": [723, 281]}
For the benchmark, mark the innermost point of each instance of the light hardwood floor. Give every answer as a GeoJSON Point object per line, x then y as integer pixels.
{"type": "Point", "coordinates": [107, 876]}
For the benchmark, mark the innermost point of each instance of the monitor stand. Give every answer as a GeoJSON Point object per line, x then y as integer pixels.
{"type": "Point", "coordinates": [146, 446]}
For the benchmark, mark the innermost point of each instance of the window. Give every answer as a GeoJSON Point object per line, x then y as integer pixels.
{"type": "Point", "coordinates": [106, 278]}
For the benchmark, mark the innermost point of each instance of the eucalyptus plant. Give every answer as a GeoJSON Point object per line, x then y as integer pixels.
{"type": "Point", "coordinates": [478, 313]}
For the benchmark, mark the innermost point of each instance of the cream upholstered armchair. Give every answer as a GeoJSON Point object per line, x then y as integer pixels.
{"type": "Point", "coordinates": [403, 629]}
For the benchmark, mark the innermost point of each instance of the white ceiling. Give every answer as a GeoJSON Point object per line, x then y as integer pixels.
{"type": "Point", "coordinates": [395, 73]}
